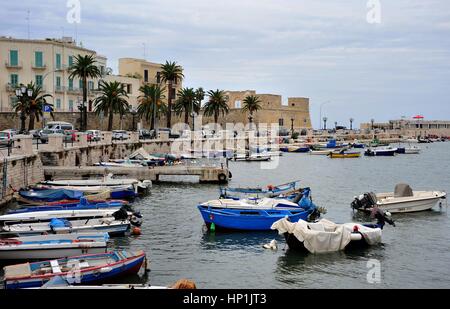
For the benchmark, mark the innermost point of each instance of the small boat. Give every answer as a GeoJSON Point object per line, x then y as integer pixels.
{"type": "Point", "coordinates": [320, 152]}
{"type": "Point", "coordinates": [82, 269]}
{"type": "Point", "coordinates": [60, 226]}
{"type": "Point", "coordinates": [255, 215]}
{"type": "Point", "coordinates": [402, 200]}
{"type": "Point", "coordinates": [52, 246]}
{"type": "Point", "coordinates": [119, 164]}
{"type": "Point", "coordinates": [300, 149]}
{"type": "Point", "coordinates": [255, 157]}
{"type": "Point", "coordinates": [382, 151]}
{"type": "Point", "coordinates": [268, 191]}
{"type": "Point", "coordinates": [344, 154]}
{"type": "Point", "coordinates": [326, 236]}
{"type": "Point", "coordinates": [52, 195]}
{"type": "Point", "coordinates": [114, 192]}
{"type": "Point", "coordinates": [412, 150]}
{"type": "Point", "coordinates": [61, 283]}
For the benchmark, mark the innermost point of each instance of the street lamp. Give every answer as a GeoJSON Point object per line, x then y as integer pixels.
{"type": "Point", "coordinates": [250, 120]}
{"type": "Point", "coordinates": [133, 112]}
{"type": "Point", "coordinates": [372, 122]}
{"type": "Point", "coordinates": [23, 94]}
{"type": "Point", "coordinates": [325, 123]}
{"type": "Point", "coordinates": [193, 115]}
{"type": "Point", "coordinates": [292, 126]}
{"type": "Point", "coordinates": [321, 105]}
{"type": "Point", "coordinates": [351, 124]}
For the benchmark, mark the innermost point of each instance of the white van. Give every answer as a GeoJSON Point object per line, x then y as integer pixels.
{"type": "Point", "coordinates": [59, 125]}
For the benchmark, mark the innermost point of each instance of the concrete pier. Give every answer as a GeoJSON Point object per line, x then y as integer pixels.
{"type": "Point", "coordinates": [206, 174]}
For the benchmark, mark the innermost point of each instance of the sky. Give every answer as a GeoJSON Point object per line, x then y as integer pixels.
{"type": "Point", "coordinates": [325, 50]}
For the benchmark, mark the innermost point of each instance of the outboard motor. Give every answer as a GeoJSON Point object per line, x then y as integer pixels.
{"type": "Point", "coordinates": [364, 201]}
{"type": "Point", "coordinates": [121, 214]}
{"type": "Point", "coordinates": [136, 219]}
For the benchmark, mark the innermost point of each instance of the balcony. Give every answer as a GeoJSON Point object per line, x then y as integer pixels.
{"type": "Point", "coordinates": [71, 90]}
{"type": "Point", "coordinates": [40, 66]}
{"type": "Point", "coordinates": [10, 65]}
{"type": "Point", "coordinates": [59, 89]}
{"type": "Point", "coordinates": [11, 88]}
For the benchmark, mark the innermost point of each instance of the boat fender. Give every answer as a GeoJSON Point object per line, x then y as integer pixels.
{"type": "Point", "coordinates": [355, 236]}
{"type": "Point", "coordinates": [136, 231]}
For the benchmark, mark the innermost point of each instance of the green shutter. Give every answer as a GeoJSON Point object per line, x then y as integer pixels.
{"type": "Point", "coordinates": [58, 61]}
{"type": "Point", "coordinates": [71, 105]}
{"type": "Point", "coordinates": [58, 103]}
{"type": "Point", "coordinates": [58, 81]}
{"type": "Point", "coordinates": [70, 61]}
{"type": "Point", "coordinates": [38, 59]}
{"type": "Point", "coordinates": [39, 80]}
{"type": "Point", "coordinates": [80, 84]}
{"type": "Point", "coordinates": [14, 80]}
{"type": "Point", "coordinates": [14, 58]}
{"type": "Point", "coordinates": [70, 84]}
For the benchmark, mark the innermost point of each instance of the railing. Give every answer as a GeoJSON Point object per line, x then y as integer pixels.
{"type": "Point", "coordinates": [39, 66]}
{"type": "Point", "coordinates": [10, 65]}
{"type": "Point", "coordinates": [11, 87]}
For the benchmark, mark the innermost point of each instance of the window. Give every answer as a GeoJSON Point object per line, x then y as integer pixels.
{"type": "Point", "coordinates": [70, 61]}
{"type": "Point", "coordinates": [58, 61]}
{"type": "Point", "coordinates": [14, 80]}
{"type": "Point", "coordinates": [90, 85]}
{"type": "Point", "coordinates": [281, 122]}
{"type": "Point", "coordinates": [58, 104]}
{"type": "Point", "coordinates": [58, 82]}
{"type": "Point", "coordinates": [71, 105]}
{"type": "Point", "coordinates": [38, 59]}
{"type": "Point", "coordinates": [128, 88]}
{"type": "Point", "coordinates": [39, 80]}
{"type": "Point", "coordinates": [70, 84]}
{"type": "Point", "coordinates": [237, 104]}
{"type": "Point", "coordinates": [80, 84]}
{"type": "Point", "coordinates": [146, 76]}
{"type": "Point", "coordinates": [14, 58]}
{"type": "Point", "coordinates": [158, 77]}
{"type": "Point", "coordinates": [102, 70]}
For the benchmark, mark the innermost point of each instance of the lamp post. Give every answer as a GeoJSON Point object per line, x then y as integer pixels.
{"type": "Point", "coordinates": [325, 123]}
{"type": "Point", "coordinates": [292, 126]}
{"type": "Point", "coordinates": [335, 125]}
{"type": "Point", "coordinates": [321, 105]}
{"type": "Point", "coordinates": [193, 114]}
{"type": "Point", "coordinates": [372, 122]}
{"type": "Point", "coordinates": [351, 124]}
{"type": "Point", "coordinates": [23, 94]}
{"type": "Point", "coordinates": [250, 121]}
{"type": "Point", "coordinates": [133, 112]}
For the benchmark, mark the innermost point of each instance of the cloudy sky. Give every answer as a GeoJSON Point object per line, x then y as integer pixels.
{"type": "Point", "coordinates": [325, 50]}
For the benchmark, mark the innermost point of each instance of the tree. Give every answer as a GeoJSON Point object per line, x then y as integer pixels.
{"type": "Point", "coordinates": [216, 104]}
{"type": "Point", "coordinates": [171, 73]}
{"type": "Point", "coordinates": [199, 96]}
{"type": "Point", "coordinates": [252, 104]}
{"type": "Point", "coordinates": [151, 104]}
{"type": "Point", "coordinates": [84, 67]}
{"type": "Point", "coordinates": [37, 101]}
{"type": "Point", "coordinates": [187, 102]}
{"type": "Point", "coordinates": [112, 100]}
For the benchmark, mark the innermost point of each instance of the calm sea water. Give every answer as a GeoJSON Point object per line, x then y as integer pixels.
{"type": "Point", "coordinates": [416, 253]}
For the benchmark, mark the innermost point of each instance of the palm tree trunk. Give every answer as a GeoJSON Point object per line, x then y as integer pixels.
{"type": "Point", "coordinates": [31, 122]}
{"type": "Point", "coordinates": [169, 106]}
{"type": "Point", "coordinates": [216, 117]}
{"type": "Point", "coordinates": [152, 121]}
{"type": "Point", "coordinates": [84, 128]}
{"type": "Point", "coordinates": [110, 120]}
{"type": "Point", "coordinates": [23, 117]}
{"type": "Point", "coordinates": [186, 117]}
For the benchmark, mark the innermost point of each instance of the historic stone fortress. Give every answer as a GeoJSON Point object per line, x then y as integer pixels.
{"type": "Point", "coordinates": [412, 127]}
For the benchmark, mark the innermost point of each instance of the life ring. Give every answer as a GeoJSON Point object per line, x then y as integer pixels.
{"type": "Point", "coordinates": [222, 177]}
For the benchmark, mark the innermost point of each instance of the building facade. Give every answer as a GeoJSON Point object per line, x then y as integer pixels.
{"type": "Point", "coordinates": [413, 127]}
{"type": "Point", "coordinates": [147, 73]}
{"type": "Point", "coordinates": [46, 63]}
{"type": "Point", "coordinates": [294, 113]}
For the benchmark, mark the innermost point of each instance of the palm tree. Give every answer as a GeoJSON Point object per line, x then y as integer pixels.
{"type": "Point", "coordinates": [84, 67]}
{"type": "Point", "coordinates": [151, 103]}
{"type": "Point", "coordinates": [171, 72]}
{"type": "Point", "coordinates": [111, 100]}
{"type": "Point", "coordinates": [199, 96]}
{"type": "Point", "coordinates": [216, 104]}
{"type": "Point", "coordinates": [252, 104]}
{"type": "Point", "coordinates": [37, 101]}
{"type": "Point", "coordinates": [187, 102]}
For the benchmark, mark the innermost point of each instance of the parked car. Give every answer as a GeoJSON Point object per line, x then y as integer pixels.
{"type": "Point", "coordinates": [94, 135]}
{"type": "Point", "coordinates": [59, 125]}
{"type": "Point", "coordinates": [35, 133]}
{"type": "Point", "coordinates": [70, 135]}
{"type": "Point", "coordinates": [6, 137]}
{"type": "Point", "coordinates": [120, 135]}
{"type": "Point", "coordinates": [46, 132]}
{"type": "Point", "coordinates": [144, 134]}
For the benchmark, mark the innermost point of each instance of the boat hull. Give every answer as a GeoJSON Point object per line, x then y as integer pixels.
{"type": "Point", "coordinates": [45, 254]}
{"type": "Point", "coordinates": [249, 220]}
{"type": "Point", "coordinates": [86, 276]}
{"type": "Point", "coordinates": [344, 156]}
{"type": "Point", "coordinates": [410, 206]}
{"type": "Point", "coordinates": [296, 245]}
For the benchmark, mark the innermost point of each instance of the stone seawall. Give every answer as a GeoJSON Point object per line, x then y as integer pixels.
{"type": "Point", "coordinates": [17, 172]}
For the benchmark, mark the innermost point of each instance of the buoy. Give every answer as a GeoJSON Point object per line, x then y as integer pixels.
{"type": "Point", "coordinates": [212, 228]}
{"type": "Point", "coordinates": [136, 231]}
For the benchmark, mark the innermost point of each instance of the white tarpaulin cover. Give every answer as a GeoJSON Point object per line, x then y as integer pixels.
{"type": "Point", "coordinates": [325, 236]}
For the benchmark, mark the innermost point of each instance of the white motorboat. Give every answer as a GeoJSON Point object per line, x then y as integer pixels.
{"type": "Point", "coordinates": [326, 236]}
{"type": "Point", "coordinates": [265, 203]}
{"type": "Point", "coordinates": [402, 200]}
{"type": "Point", "coordinates": [61, 226]}
{"type": "Point", "coordinates": [107, 181]}
{"type": "Point", "coordinates": [255, 157]}
{"type": "Point", "coordinates": [412, 150]}
{"type": "Point", "coordinates": [52, 246]}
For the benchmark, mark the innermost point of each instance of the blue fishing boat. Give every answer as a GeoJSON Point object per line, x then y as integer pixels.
{"type": "Point", "coordinates": [284, 190]}
{"type": "Point", "coordinates": [83, 269]}
{"type": "Point", "coordinates": [256, 214]}
{"type": "Point", "coordinates": [385, 152]}
{"type": "Point", "coordinates": [51, 195]}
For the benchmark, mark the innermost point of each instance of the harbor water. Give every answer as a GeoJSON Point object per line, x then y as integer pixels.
{"type": "Point", "coordinates": [414, 254]}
